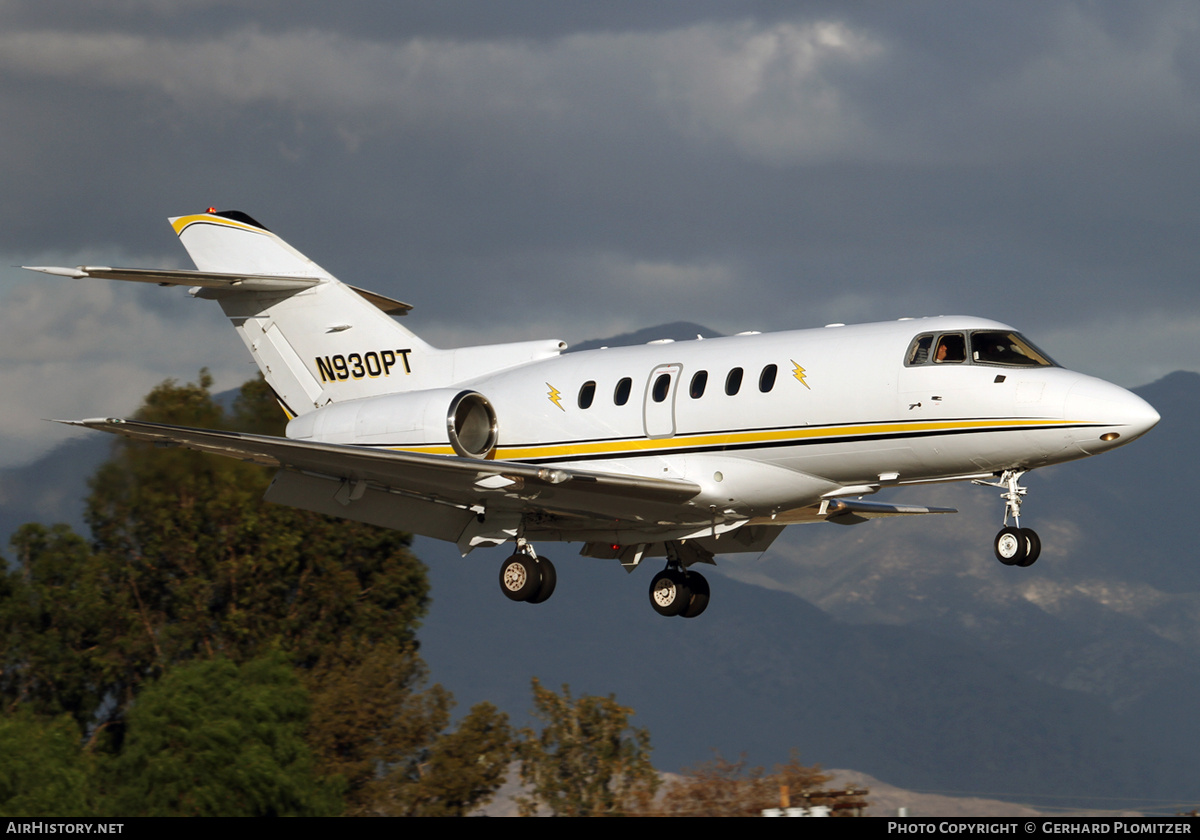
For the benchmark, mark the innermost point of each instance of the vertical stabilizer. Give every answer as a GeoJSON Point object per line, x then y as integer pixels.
{"type": "Point", "coordinates": [322, 344]}
{"type": "Point", "coordinates": [234, 243]}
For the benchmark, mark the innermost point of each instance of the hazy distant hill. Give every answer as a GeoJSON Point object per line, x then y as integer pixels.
{"type": "Point", "coordinates": [677, 331]}
{"type": "Point", "coordinates": [899, 648]}
{"type": "Point", "coordinates": [52, 488]}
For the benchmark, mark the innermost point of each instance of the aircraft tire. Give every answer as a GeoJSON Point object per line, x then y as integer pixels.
{"type": "Point", "coordinates": [669, 593]}
{"type": "Point", "coordinates": [520, 578]}
{"type": "Point", "coordinates": [1033, 547]}
{"type": "Point", "coordinates": [1010, 546]}
{"type": "Point", "coordinates": [699, 603]}
{"type": "Point", "coordinates": [549, 579]}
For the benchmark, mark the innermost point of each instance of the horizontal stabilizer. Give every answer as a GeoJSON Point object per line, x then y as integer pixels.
{"type": "Point", "coordinates": [214, 280]}
{"type": "Point", "coordinates": [180, 277]}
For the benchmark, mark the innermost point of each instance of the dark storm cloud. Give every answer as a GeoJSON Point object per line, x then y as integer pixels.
{"type": "Point", "coordinates": [578, 169]}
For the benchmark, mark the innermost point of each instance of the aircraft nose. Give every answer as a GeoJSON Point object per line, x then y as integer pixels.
{"type": "Point", "coordinates": [1123, 416]}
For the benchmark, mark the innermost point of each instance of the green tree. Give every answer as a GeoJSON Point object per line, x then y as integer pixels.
{"type": "Point", "coordinates": [198, 566]}
{"type": "Point", "coordinates": [187, 563]}
{"type": "Point", "coordinates": [464, 768]}
{"type": "Point", "coordinates": [211, 738]}
{"type": "Point", "coordinates": [207, 568]}
{"type": "Point", "coordinates": [55, 622]}
{"type": "Point", "coordinates": [372, 725]}
{"type": "Point", "coordinates": [587, 760]}
{"type": "Point", "coordinates": [43, 771]}
{"type": "Point", "coordinates": [387, 738]}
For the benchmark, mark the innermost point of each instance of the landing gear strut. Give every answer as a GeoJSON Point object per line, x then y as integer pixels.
{"type": "Point", "coordinates": [1014, 545]}
{"type": "Point", "coordinates": [527, 577]}
{"type": "Point", "coordinates": [676, 591]}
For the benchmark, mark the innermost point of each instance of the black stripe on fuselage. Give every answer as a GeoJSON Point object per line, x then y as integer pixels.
{"type": "Point", "coordinates": [672, 446]}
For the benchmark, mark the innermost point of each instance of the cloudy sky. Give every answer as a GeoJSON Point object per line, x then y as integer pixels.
{"type": "Point", "coordinates": [574, 169]}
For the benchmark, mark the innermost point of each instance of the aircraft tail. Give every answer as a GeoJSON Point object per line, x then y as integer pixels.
{"type": "Point", "coordinates": [317, 342]}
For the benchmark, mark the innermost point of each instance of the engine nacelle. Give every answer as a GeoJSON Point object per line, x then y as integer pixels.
{"type": "Point", "coordinates": [463, 420]}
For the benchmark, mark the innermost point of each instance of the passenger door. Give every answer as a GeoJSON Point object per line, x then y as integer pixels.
{"type": "Point", "coordinates": [658, 411]}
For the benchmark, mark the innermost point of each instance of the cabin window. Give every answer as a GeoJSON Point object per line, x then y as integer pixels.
{"type": "Point", "coordinates": [587, 393]}
{"type": "Point", "coordinates": [733, 382]}
{"type": "Point", "coordinates": [992, 347]}
{"type": "Point", "coordinates": [951, 349]}
{"type": "Point", "coordinates": [621, 394]}
{"type": "Point", "coordinates": [766, 381]}
{"type": "Point", "coordinates": [918, 351]}
{"type": "Point", "coordinates": [662, 386]}
{"type": "Point", "coordinates": [699, 381]}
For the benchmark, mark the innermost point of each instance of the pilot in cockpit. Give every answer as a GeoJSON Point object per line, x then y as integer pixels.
{"type": "Point", "coordinates": [951, 348]}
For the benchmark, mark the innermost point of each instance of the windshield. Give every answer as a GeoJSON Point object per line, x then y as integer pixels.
{"type": "Point", "coordinates": [1006, 348]}
{"type": "Point", "coordinates": [988, 347]}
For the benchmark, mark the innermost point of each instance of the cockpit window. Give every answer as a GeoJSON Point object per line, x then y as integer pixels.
{"type": "Point", "coordinates": [918, 351]}
{"type": "Point", "coordinates": [988, 347]}
{"type": "Point", "coordinates": [951, 349]}
{"type": "Point", "coordinates": [1006, 348]}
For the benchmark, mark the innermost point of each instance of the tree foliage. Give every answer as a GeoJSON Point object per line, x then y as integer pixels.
{"type": "Point", "coordinates": [464, 768]}
{"type": "Point", "coordinates": [42, 769]}
{"type": "Point", "coordinates": [187, 565]}
{"type": "Point", "coordinates": [57, 623]}
{"type": "Point", "coordinates": [215, 739]}
{"type": "Point", "coordinates": [205, 567]}
{"type": "Point", "coordinates": [587, 760]}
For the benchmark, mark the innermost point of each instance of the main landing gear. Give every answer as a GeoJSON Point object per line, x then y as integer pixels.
{"type": "Point", "coordinates": [527, 577]}
{"type": "Point", "coordinates": [1014, 545]}
{"type": "Point", "coordinates": [676, 591]}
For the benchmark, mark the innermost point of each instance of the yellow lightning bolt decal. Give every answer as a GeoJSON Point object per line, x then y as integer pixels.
{"type": "Point", "coordinates": [798, 372]}
{"type": "Point", "coordinates": [554, 396]}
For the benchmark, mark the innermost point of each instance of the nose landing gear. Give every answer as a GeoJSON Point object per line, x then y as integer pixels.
{"type": "Point", "coordinates": [1017, 546]}
{"type": "Point", "coordinates": [1014, 545]}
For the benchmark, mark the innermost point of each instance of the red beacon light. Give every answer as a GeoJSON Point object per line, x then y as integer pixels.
{"type": "Point", "coordinates": [211, 210]}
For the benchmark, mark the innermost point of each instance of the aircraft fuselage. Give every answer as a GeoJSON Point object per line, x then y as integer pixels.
{"type": "Point", "coordinates": [765, 423]}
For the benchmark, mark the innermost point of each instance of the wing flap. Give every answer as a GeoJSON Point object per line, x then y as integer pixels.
{"type": "Point", "coordinates": [847, 512]}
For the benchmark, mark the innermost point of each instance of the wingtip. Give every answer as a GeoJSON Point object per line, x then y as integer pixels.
{"type": "Point", "coordinates": [90, 422]}
{"type": "Point", "coordinates": [57, 270]}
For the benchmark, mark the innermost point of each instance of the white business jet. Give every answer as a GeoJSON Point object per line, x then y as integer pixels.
{"type": "Point", "coordinates": [677, 449]}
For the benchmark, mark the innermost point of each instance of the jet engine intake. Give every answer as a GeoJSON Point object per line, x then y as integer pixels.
{"type": "Point", "coordinates": [471, 423]}
{"type": "Point", "coordinates": [463, 422]}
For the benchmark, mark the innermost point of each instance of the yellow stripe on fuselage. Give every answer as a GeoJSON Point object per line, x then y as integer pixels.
{"type": "Point", "coordinates": [638, 446]}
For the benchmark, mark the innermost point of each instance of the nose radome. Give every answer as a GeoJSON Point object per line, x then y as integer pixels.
{"type": "Point", "coordinates": [1096, 401]}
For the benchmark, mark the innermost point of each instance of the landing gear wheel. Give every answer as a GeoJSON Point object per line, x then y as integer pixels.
{"type": "Point", "coordinates": [1010, 546]}
{"type": "Point", "coordinates": [1033, 547]}
{"type": "Point", "coordinates": [519, 577]}
{"type": "Point", "coordinates": [669, 593]}
{"type": "Point", "coordinates": [549, 578]}
{"type": "Point", "coordinates": [699, 603]}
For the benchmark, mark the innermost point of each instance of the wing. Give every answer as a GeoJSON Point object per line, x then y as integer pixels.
{"type": "Point", "coordinates": [471, 502]}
